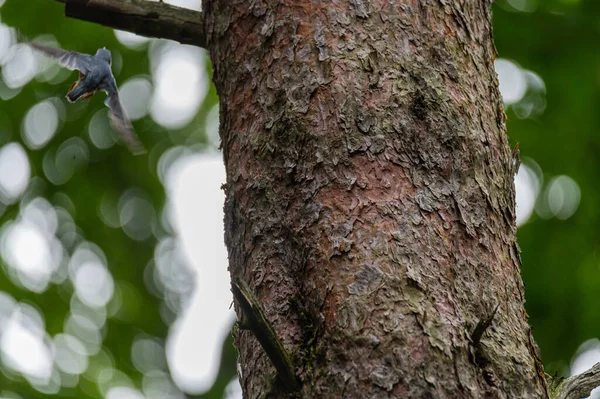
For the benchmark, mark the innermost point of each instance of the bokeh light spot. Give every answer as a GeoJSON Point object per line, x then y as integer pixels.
{"type": "Point", "coordinates": [512, 81]}
{"type": "Point", "coordinates": [93, 284]}
{"type": "Point", "coordinates": [136, 214]}
{"type": "Point", "coordinates": [20, 68]}
{"type": "Point", "coordinates": [523, 5]}
{"type": "Point", "coordinates": [40, 124]}
{"type": "Point", "coordinates": [24, 349]}
{"type": "Point", "coordinates": [70, 156]}
{"type": "Point", "coordinates": [233, 390]}
{"type": "Point", "coordinates": [201, 234]}
{"type": "Point", "coordinates": [7, 39]}
{"type": "Point", "coordinates": [212, 126]}
{"type": "Point", "coordinates": [135, 95]}
{"type": "Point", "coordinates": [100, 132]}
{"type": "Point", "coordinates": [70, 354]}
{"type": "Point", "coordinates": [30, 248]}
{"type": "Point", "coordinates": [158, 385]}
{"type": "Point", "coordinates": [563, 195]}
{"type": "Point", "coordinates": [86, 331]}
{"type": "Point", "coordinates": [180, 82]}
{"type": "Point", "coordinates": [14, 172]}
{"type": "Point", "coordinates": [588, 354]}
{"type": "Point", "coordinates": [527, 186]}
{"type": "Point", "coordinates": [148, 354]}
{"type": "Point", "coordinates": [191, 4]}
{"type": "Point", "coordinates": [124, 393]}
{"type": "Point", "coordinates": [131, 40]}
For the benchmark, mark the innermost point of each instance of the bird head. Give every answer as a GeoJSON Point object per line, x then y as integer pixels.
{"type": "Point", "coordinates": [104, 54]}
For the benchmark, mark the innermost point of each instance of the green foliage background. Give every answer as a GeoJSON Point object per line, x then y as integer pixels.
{"type": "Point", "coordinates": [559, 41]}
{"type": "Point", "coordinates": [108, 172]}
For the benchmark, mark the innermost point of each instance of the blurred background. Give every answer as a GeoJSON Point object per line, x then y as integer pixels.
{"type": "Point", "coordinates": [113, 280]}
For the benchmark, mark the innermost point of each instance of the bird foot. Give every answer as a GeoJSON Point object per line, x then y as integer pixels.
{"type": "Point", "coordinates": [76, 83]}
{"type": "Point", "coordinates": [88, 95]}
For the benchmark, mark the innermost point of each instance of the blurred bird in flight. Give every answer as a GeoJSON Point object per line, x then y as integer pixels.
{"type": "Point", "coordinates": [95, 74]}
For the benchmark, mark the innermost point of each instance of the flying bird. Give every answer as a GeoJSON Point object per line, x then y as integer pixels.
{"type": "Point", "coordinates": [95, 74]}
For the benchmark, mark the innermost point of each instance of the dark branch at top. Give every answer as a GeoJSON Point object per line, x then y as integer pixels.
{"type": "Point", "coordinates": [146, 18]}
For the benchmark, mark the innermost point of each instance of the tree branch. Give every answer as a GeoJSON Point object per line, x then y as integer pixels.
{"type": "Point", "coordinates": [577, 386]}
{"type": "Point", "coordinates": [255, 320]}
{"type": "Point", "coordinates": [146, 18]}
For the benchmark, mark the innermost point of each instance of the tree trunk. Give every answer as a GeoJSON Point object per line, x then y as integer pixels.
{"type": "Point", "coordinates": [370, 197]}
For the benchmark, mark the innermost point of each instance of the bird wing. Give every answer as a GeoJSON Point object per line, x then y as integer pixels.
{"type": "Point", "coordinates": [120, 122]}
{"type": "Point", "coordinates": [69, 59]}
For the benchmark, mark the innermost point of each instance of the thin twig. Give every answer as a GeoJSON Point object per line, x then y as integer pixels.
{"type": "Point", "coordinates": [577, 386]}
{"type": "Point", "coordinates": [146, 18]}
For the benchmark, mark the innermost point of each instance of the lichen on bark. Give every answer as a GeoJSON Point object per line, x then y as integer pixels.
{"type": "Point", "coordinates": [370, 196]}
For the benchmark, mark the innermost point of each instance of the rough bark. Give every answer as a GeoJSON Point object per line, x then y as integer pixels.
{"type": "Point", "coordinates": [370, 198]}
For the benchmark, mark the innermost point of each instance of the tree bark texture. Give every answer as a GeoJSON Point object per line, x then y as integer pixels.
{"type": "Point", "coordinates": [370, 197]}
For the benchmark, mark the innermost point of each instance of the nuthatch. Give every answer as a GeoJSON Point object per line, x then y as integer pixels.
{"type": "Point", "coordinates": [95, 74]}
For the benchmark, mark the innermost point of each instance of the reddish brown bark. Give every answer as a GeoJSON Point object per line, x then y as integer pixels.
{"type": "Point", "coordinates": [370, 198]}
